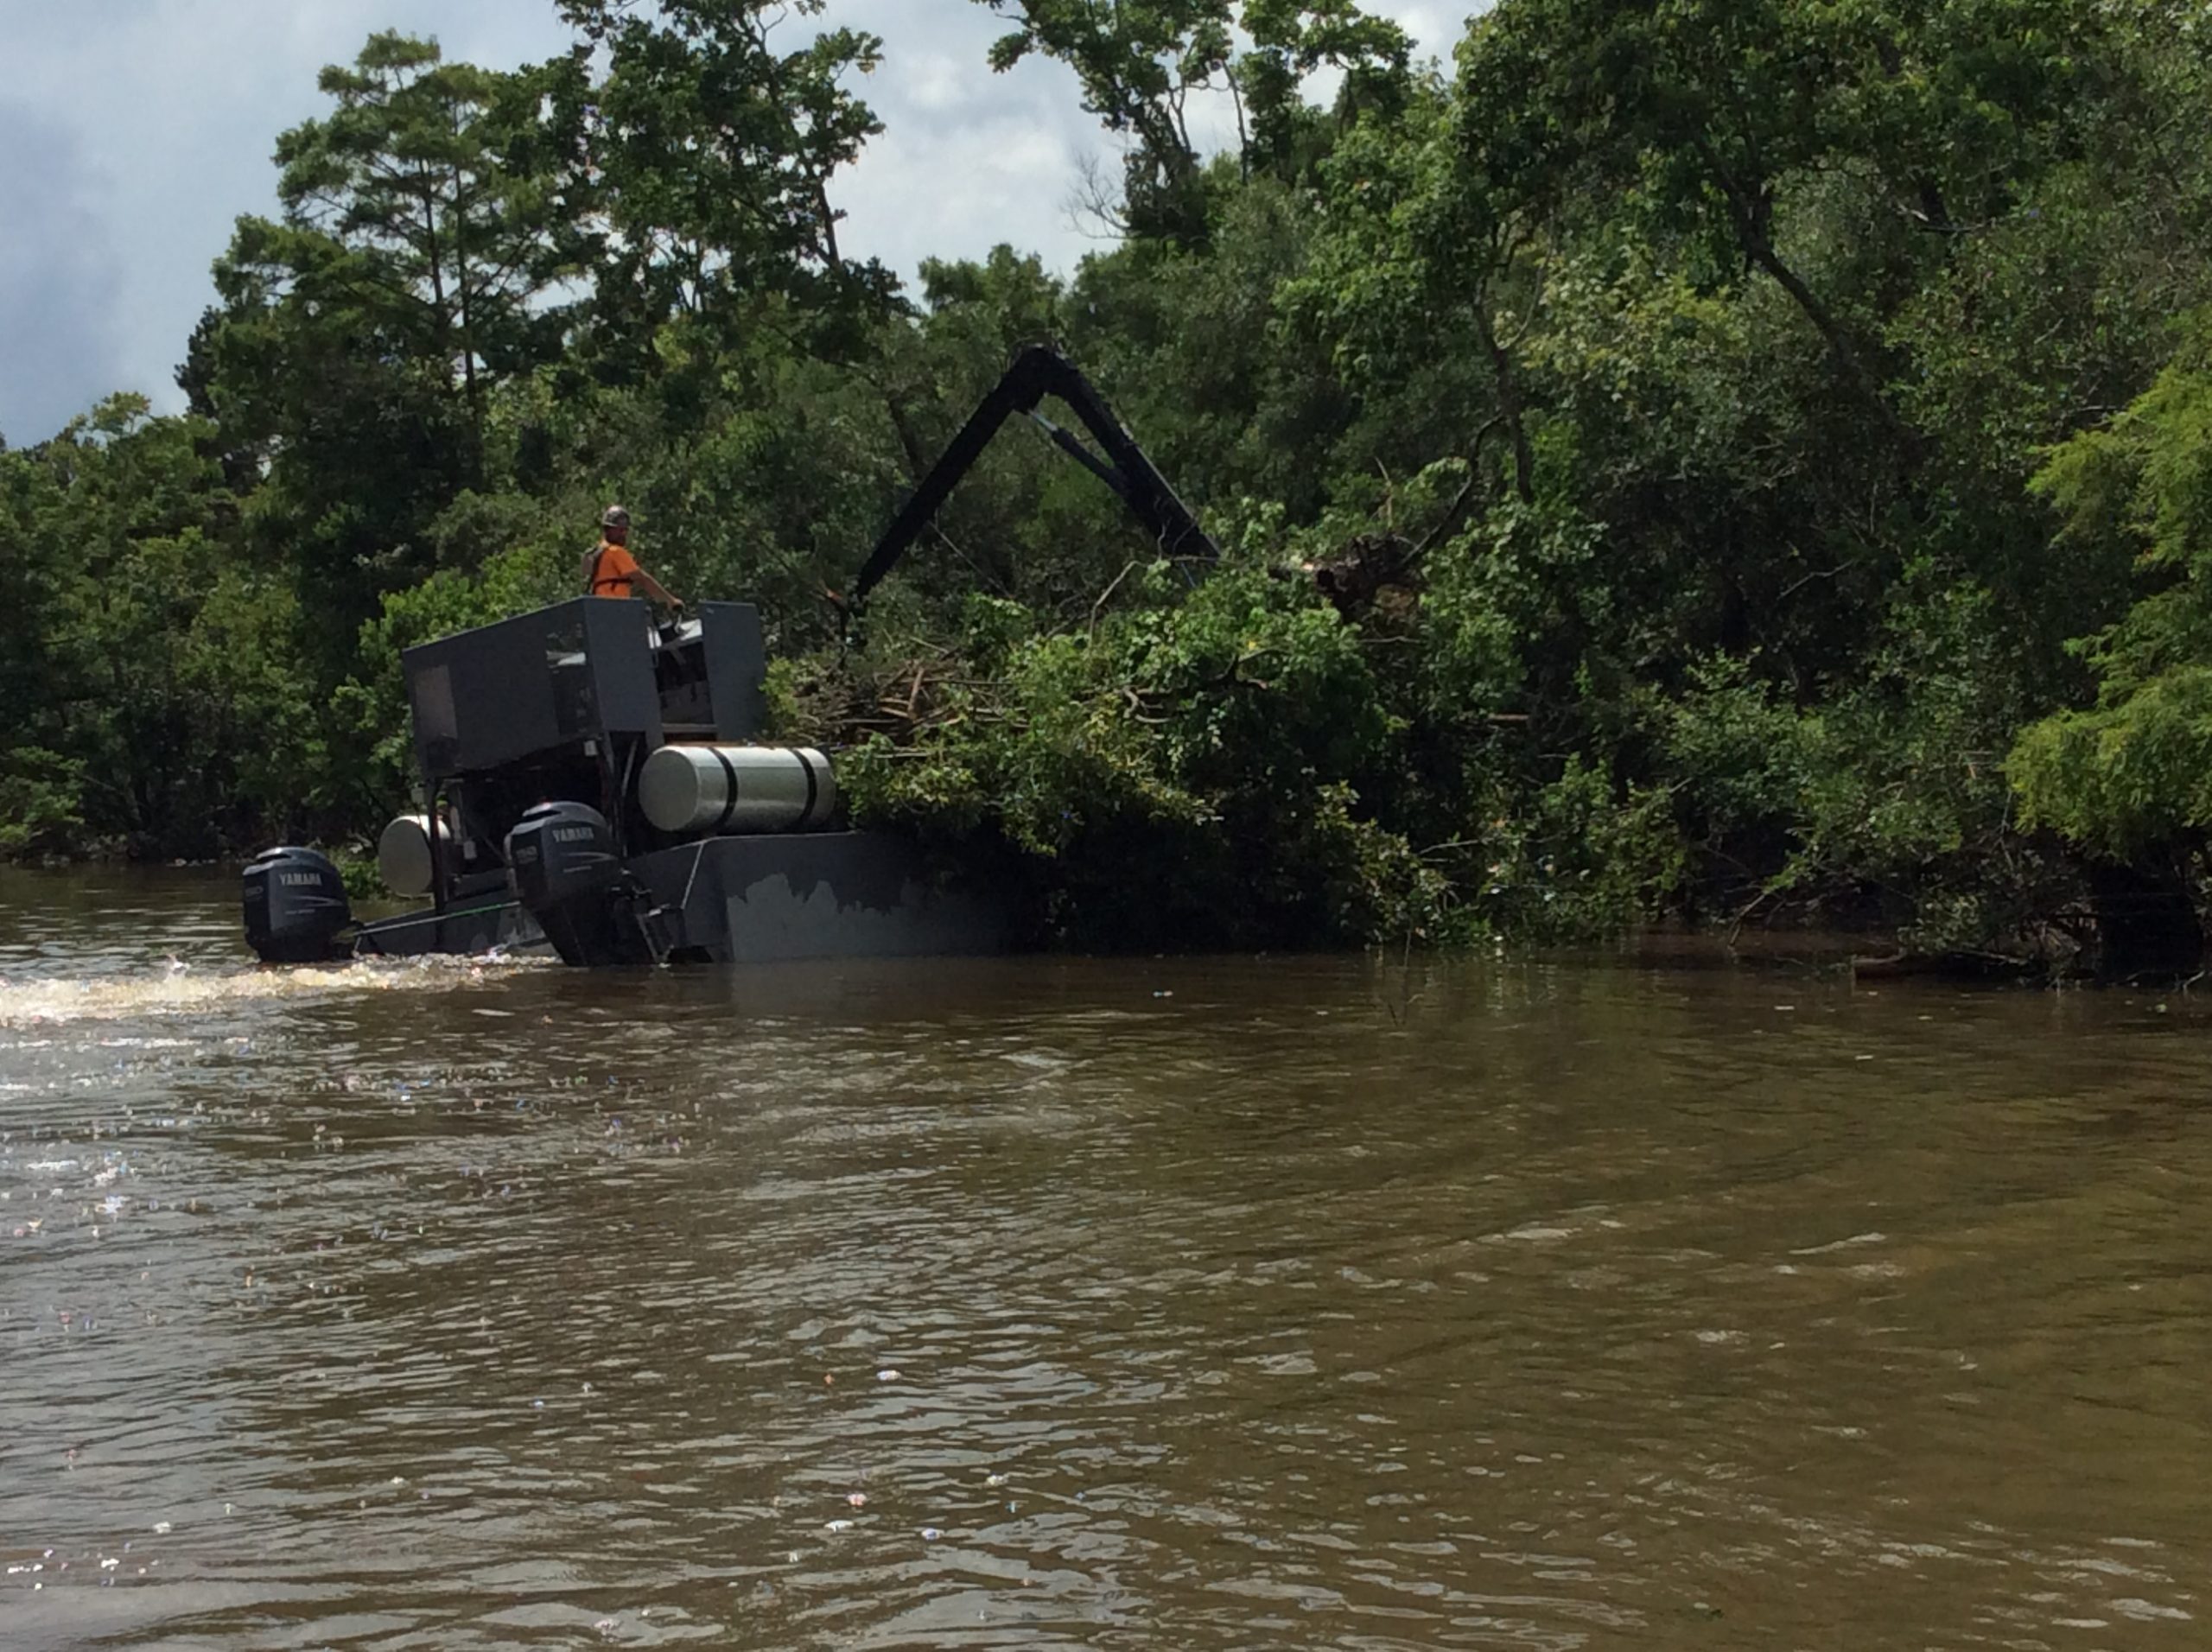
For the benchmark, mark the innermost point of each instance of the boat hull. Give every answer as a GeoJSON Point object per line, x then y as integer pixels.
{"type": "Point", "coordinates": [748, 899]}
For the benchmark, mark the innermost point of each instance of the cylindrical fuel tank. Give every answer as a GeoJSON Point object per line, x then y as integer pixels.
{"type": "Point", "coordinates": [404, 854]}
{"type": "Point", "coordinates": [737, 788]}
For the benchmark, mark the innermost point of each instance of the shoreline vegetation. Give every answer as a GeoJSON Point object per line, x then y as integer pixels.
{"type": "Point", "coordinates": [1726, 465]}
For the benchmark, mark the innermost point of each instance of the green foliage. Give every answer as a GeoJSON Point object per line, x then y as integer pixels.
{"type": "Point", "coordinates": [157, 683]}
{"type": "Point", "coordinates": [1187, 770]}
{"type": "Point", "coordinates": [363, 334]}
{"type": "Point", "coordinates": [701, 167]}
{"type": "Point", "coordinates": [1574, 860]}
{"type": "Point", "coordinates": [40, 807]}
{"type": "Point", "coordinates": [2131, 772]}
{"type": "Point", "coordinates": [1140, 63]}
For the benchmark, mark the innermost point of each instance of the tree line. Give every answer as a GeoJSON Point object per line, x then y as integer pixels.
{"type": "Point", "coordinates": [1742, 460]}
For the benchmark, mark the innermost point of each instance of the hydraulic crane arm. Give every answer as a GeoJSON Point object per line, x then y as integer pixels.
{"type": "Point", "coordinates": [1037, 372]}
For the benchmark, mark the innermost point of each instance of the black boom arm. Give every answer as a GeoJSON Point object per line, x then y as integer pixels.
{"type": "Point", "coordinates": [1037, 372]}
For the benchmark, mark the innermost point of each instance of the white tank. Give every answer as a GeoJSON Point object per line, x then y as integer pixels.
{"type": "Point", "coordinates": [403, 853]}
{"type": "Point", "coordinates": [737, 788]}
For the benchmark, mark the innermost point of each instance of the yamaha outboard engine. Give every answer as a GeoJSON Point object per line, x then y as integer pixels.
{"type": "Point", "coordinates": [567, 873]}
{"type": "Point", "coordinates": [294, 908]}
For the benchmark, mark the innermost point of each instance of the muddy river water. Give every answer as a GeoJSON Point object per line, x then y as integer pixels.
{"type": "Point", "coordinates": [1628, 1300]}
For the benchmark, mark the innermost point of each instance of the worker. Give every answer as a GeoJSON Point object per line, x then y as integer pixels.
{"type": "Point", "coordinates": [612, 571]}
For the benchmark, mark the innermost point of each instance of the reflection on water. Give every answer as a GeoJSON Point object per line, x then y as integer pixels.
{"type": "Point", "coordinates": [1242, 1303]}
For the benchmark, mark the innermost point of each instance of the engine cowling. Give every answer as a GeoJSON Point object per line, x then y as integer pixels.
{"type": "Point", "coordinates": [296, 906]}
{"type": "Point", "coordinates": [562, 860]}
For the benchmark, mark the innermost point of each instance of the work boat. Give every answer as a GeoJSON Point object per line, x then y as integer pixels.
{"type": "Point", "coordinates": [595, 784]}
{"type": "Point", "coordinates": [598, 784]}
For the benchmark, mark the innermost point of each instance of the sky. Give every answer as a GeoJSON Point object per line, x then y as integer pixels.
{"type": "Point", "coordinates": [134, 132]}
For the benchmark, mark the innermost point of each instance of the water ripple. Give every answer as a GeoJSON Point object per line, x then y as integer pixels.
{"type": "Point", "coordinates": [1234, 1303]}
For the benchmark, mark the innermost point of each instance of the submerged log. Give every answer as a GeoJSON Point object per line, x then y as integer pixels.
{"type": "Point", "coordinates": [1948, 966]}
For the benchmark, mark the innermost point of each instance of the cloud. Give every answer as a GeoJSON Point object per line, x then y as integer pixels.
{"type": "Point", "coordinates": [159, 125]}
{"type": "Point", "coordinates": [58, 281]}
{"type": "Point", "coordinates": [968, 159]}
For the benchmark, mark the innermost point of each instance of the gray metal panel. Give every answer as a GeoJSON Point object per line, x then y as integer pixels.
{"type": "Point", "coordinates": [575, 672]}
{"type": "Point", "coordinates": [474, 929]}
{"type": "Point", "coordinates": [430, 693]}
{"type": "Point", "coordinates": [481, 697]}
{"type": "Point", "coordinates": [619, 644]}
{"type": "Point", "coordinates": [737, 669]}
{"type": "Point", "coordinates": [761, 898]}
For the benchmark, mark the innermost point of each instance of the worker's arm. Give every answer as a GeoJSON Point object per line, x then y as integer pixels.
{"type": "Point", "coordinates": [653, 589]}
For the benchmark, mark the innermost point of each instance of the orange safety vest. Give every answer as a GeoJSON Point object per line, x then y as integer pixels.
{"type": "Point", "coordinates": [614, 570]}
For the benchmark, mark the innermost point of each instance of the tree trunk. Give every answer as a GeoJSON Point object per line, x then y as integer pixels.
{"type": "Point", "coordinates": [1510, 405]}
{"type": "Point", "coordinates": [1761, 253]}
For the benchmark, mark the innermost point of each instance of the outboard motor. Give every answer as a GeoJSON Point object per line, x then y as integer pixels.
{"type": "Point", "coordinates": [294, 908]}
{"type": "Point", "coordinates": [562, 858]}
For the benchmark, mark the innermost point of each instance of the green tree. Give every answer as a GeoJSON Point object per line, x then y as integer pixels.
{"type": "Point", "coordinates": [362, 334]}
{"type": "Point", "coordinates": [703, 160]}
{"type": "Point", "coordinates": [422, 199]}
{"type": "Point", "coordinates": [1141, 63]}
{"type": "Point", "coordinates": [1718, 113]}
{"type": "Point", "coordinates": [159, 707]}
{"type": "Point", "coordinates": [2133, 773]}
